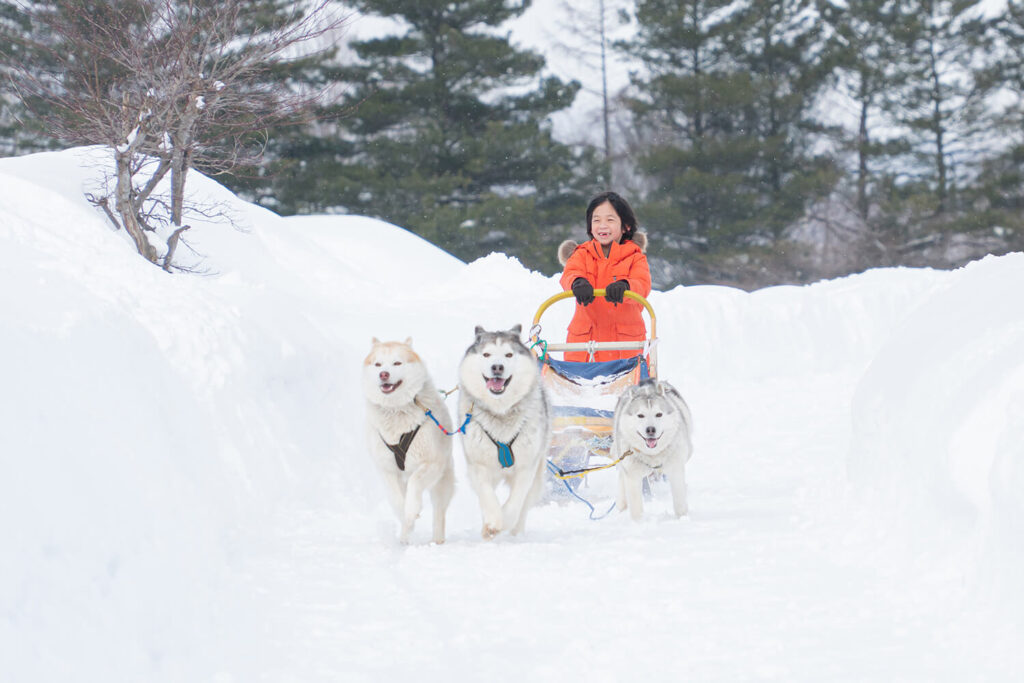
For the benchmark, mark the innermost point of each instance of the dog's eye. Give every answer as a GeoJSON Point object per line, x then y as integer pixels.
{"type": "Point", "coordinates": [397, 362]}
{"type": "Point", "coordinates": [377, 364]}
{"type": "Point", "coordinates": [508, 355]}
{"type": "Point", "coordinates": [640, 415]}
{"type": "Point", "coordinates": [487, 354]}
{"type": "Point", "coordinates": [658, 415]}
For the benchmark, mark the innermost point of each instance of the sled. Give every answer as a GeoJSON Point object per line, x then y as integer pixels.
{"type": "Point", "coordinates": [583, 397]}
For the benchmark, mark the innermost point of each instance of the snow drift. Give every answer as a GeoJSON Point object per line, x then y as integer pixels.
{"type": "Point", "coordinates": [186, 495]}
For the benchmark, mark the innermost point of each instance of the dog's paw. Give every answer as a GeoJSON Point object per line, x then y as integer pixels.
{"type": "Point", "coordinates": [489, 532]}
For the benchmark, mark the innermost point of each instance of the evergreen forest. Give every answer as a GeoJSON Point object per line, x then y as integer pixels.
{"type": "Point", "coordinates": [760, 142]}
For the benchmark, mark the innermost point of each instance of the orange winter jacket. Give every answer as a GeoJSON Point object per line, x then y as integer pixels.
{"type": "Point", "coordinates": [603, 321]}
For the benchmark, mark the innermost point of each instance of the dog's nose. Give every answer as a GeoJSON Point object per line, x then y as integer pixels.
{"type": "Point", "coordinates": [651, 431]}
{"type": "Point", "coordinates": [385, 376]}
{"type": "Point", "coordinates": [497, 370]}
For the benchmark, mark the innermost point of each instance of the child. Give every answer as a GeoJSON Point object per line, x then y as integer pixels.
{"type": "Point", "coordinates": [613, 259]}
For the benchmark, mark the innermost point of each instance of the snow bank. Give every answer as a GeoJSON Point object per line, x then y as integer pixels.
{"type": "Point", "coordinates": [830, 326]}
{"type": "Point", "coordinates": [937, 416]}
{"type": "Point", "coordinates": [161, 434]}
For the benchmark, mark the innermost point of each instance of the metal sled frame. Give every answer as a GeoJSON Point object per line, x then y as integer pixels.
{"type": "Point", "coordinates": [647, 347]}
{"type": "Point", "coordinates": [582, 426]}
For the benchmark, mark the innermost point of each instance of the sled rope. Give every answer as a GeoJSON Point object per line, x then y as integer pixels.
{"type": "Point", "coordinates": [441, 426]}
{"type": "Point", "coordinates": [563, 475]}
{"type": "Point", "coordinates": [593, 511]}
{"type": "Point", "coordinates": [426, 411]}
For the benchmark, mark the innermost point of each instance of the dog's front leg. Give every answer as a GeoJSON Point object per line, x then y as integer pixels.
{"type": "Point", "coordinates": [677, 480]}
{"type": "Point", "coordinates": [633, 487]}
{"type": "Point", "coordinates": [396, 492]}
{"type": "Point", "coordinates": [422, 479]}
{"type": "Point", "coordinates": [440, 497]}
{"type": "Point", "coordinates": [526, 489]}
{"type": "Point", "coordinates": [490, 508]}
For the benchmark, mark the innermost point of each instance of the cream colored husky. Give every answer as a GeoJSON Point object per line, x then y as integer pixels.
{"type": "Point", "coordinates": [412, 454]}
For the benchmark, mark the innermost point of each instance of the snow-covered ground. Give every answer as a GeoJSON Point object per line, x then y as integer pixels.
{"type": "Point", "coordinates": [187, 496]}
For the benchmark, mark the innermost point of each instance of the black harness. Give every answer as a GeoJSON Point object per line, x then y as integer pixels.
{"type": "Point", "coordinates": [401, 449]}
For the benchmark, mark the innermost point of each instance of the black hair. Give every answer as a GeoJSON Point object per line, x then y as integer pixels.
{"type": "Point", "coordinates": [621, 206]}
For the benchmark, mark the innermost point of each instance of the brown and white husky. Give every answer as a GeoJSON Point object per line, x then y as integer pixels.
{"type": "Point", "coordinates": [411, 453]}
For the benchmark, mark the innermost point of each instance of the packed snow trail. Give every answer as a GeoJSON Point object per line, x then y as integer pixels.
{"type": "Point", "coordinates": [755, 584]}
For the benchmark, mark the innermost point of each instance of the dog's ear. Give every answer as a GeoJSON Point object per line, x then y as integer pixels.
{"type": "Point", "coordinates": [673, 393]}
{"type": "Point", "coordinates": [667, 390]}
{"type": "Point", "coordinates": [408, 341]}
{"type": "Point", "coordinates": [375, 341]}
{"type": "Point", "coordinates": [516, 330]}
{"type": "Point", "coordinates": [663, 390]}
{"type": "Point", "coordinates": [627, 395]}
{"type": "Point", "coordinates": [478, 331]}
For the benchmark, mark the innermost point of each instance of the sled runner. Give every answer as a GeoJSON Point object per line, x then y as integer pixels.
{"type": "Point", "coordinates": [583, 397]}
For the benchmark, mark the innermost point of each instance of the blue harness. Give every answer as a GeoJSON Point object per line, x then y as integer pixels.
{"type": "Point", "coordinates": [505, 455]}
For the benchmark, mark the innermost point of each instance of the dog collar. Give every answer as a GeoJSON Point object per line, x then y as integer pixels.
{"type": "Point", "coordinates": [643, 460]}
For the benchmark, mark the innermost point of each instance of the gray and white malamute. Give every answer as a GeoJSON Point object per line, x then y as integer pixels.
{"type": "Point", "coordinates": [410, 452]}
{"type": "Point", "coordinates": [652, 428]}
{"type": "Point", "coordinates": [508, 434]}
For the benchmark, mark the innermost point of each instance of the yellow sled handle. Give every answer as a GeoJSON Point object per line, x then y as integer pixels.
{"type": "Point", "coordinates": [629, 294]}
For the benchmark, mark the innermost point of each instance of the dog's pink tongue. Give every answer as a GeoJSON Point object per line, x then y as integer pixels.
{"type": "Point", "coordinates": [652, 443]}
{"type": "Point", "coordinates": [495, 384]}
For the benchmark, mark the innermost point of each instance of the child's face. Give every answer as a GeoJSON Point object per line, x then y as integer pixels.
{"type": "Point", "coordinates": [605, 224]}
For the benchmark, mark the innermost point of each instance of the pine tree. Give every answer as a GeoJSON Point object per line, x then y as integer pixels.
{"type": "Point", "coordinates": [449, 134]}
{"type": "Point", "coordinates": [725, 113]}
{"type": "Point", "coordinates": [296, 157]}
{"type": "Point", "coordinates": [865, 56]}
{"type": "Point", "coordinates": [940, 102]}
{"type": "Point", "coordinates": [21, 128]}
{"type": "Point", "coordinates": [1000, 187]}
{"type": "Point", "coordinates": [779, 43]}
{"type": "Point", "coordinates": [685, 110]}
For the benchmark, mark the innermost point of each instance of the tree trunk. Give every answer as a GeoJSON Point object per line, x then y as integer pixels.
{"type": "Point", "coordinates": [938, 128]}
{"type": "Point", "coordinates": [179, 171]}
{"type": "Point", "coordinates": [605, 115]}
{"type": "Point", "coordinates": [181, 158]}
{"type": "Point", "coordinates": [172, 246]}
{"type": "Point", "coordinates": [862, 157]}
{"type": "Point", "coordinates": [126, 208]}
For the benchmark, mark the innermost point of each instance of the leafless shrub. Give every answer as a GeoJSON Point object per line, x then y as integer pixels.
{"type": "Point", "coordinates": [168, 86]}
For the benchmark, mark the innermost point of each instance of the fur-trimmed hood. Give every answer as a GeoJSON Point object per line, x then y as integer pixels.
{"type": "Point", "coordinates": [566, 248]}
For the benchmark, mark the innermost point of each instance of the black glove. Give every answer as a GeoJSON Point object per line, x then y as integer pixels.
{"type": "Point", "coordinates": [583, 291]}
{"type": "Point", "coordinates": [615, 291]}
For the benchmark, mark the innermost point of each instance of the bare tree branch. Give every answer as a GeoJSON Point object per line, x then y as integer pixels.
{"type": "Point", "coordinates": [168, 86]}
